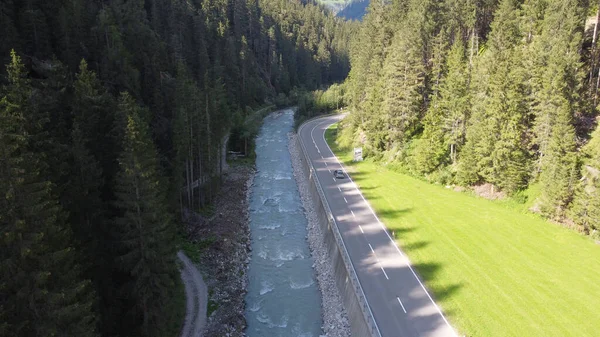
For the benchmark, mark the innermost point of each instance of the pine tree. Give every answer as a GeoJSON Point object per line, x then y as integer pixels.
{"type": "Point", "coordinates": [445, 122]}
{"type": "Point", "coordinates": [586, 204]}
{"type": "Point", "coordinates": [86, 180]}
{"type": "Point", "coordinates": [496, 144]}
{"type": "Point", "coordinates": [145, 239]}
{"type": "Point", "coordinates": [43, 293]}
{"type": "Point", "coordinates": [559, 172]}
{"type": "Point", "coordinates": [403, 76]}
{"type": "Point", "coordinates": [555, 100]}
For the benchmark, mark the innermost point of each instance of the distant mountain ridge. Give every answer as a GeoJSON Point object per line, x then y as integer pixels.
{"type": "Point", "coordinates": [348, 9]}
{"type": "Point", "coordinates": [355, 10]}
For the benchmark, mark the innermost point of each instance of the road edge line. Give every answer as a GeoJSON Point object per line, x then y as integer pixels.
{"type": "Point", "coordinates": [388, 234]}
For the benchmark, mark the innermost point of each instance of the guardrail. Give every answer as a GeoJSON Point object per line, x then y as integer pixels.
{"type": "Point", "coordinates": [360, 295]}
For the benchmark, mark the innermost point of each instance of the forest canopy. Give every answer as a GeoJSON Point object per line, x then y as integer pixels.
{"type": "Point", "coordinates": [497, 93]}
{"type": "Point", "coordinates": [110, 113]}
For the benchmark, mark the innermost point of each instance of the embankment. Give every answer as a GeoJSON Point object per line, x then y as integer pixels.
{"type": "Point", "coordinates": [359, 315]}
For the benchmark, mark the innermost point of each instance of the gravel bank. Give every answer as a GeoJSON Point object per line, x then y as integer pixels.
{"type": "Point", "coordinates": [225, 237]}
{"type": "Point", "coordinates": [335, 320]}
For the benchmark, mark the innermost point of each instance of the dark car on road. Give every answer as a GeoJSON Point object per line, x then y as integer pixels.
{"type": "Point", "coordinates": [339, 174]}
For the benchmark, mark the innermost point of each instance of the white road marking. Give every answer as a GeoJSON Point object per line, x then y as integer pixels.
{"type": "Point", "coordinates": [361, 230]}
{"type": "Point", "coordinates": [402, 305]}
{"type": "Point", "coordinates": [329, 170]}
{"type": "Point", "coordinates": [339, 189]}
{"type": "Point", "coordinates": [352, 213]}
{"type": "Point", "coordinates": [388, 234]}
{"type": "Point", "coordinates": [325, 163]}
{"type": "Point", "coordinates": [351, 264]}
{"type": "Point", "coordinates": [334, 179]}
{"type": "Point", "coordinates": [345, 200]}
{"type": "Point", "coordinates": [380, 266]}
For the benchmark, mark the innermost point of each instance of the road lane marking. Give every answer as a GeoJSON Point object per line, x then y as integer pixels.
{"type": "Point", "coordinates": [345, 200]}
{"type": "Point", "coordinates": [325, 163]}
{"type": "Point", "coordinates": [339, 189]}
{"type": "Point", "coordinates": [359, 226]}
{"type": "Point", "coordinates": [352, 213]}
{"type": "Point", "coordinates": [386, 232]}
{"type": "Point", "coordinates": [402, 305]}
{"type": "Point", "coordinates": [335, 222]}
{"type": "Point", "coordinates": [329, 170]}
{"type": "Point", "coordinates": [380, 266]}
{"type": "Point", "coordinates": [334, 180]}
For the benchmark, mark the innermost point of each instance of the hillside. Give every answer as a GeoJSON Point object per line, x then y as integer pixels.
{"type": "Point", "coordinates": [494, 270]}
{"type": "Point", "coordinates": [501, 100]}
{"type": "Point", "coordinates": [114, 117]}
{"type": "Point", "coordinates": [347, 9]}
{"type": "Point", "coordinates": [354, 10]}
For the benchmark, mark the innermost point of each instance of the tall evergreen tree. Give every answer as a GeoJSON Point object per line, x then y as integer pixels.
{"type": "Point", "coordinates": [555, 101]}
{"type": "Point", "coordinates": [403, 76]}
{"type": "Point", "coordinates": [445, 122]}
{"type": "Point", "coordinates": [43, 293]}
{"type": "Point", "coordinates": [586, 205]}
{"type": "Point", "coordinates": [145, 229]}
{"type": "Point", "coordinates": [84, 191]}
{"type": "Point", "coordinates": [496, 147]}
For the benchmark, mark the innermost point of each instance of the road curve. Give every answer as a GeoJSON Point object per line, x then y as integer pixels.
{"type": "Point", "coordinates": [400, 304]}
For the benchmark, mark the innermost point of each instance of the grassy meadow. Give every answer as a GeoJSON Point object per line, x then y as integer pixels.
{"type": "Point", "coordinates": [494, 269]}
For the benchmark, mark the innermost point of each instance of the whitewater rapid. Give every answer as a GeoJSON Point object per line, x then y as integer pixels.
{"type": "Point", "coordinates": [283, 298]}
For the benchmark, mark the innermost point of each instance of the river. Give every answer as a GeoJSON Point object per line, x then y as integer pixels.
{"type": "Point", "coordinates": [282, 299]}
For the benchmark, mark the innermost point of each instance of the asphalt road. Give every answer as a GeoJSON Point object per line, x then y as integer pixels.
{"type": "Point", "coordinates": [397, 297]}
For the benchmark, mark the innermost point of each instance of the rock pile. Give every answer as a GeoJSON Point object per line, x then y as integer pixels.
{"type": "Point", "coordinates": [224, 261]}
{"type": "Point", "coordinates": [335, 320]}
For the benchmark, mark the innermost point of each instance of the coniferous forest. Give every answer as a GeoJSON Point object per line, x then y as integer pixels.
{"type": "Point", "coordinates": [497, 93]}
{"type": "Point", "coordinates": [115, 117]}
{"type": "Point", "coordinates": [109, 110]}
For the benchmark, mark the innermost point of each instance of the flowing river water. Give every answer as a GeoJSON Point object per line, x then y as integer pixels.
{"type": "Point", "coordinates": [282, 299]}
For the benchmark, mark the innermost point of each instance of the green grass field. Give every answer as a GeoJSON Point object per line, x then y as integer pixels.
{"type": "Point", "coordinates": [494, 270]}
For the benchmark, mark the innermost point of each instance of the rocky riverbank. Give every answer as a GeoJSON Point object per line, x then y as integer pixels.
{"type": "Point", "coordinates": [225, 238]}
{"type": "Point", "coordinates": [335, 320]}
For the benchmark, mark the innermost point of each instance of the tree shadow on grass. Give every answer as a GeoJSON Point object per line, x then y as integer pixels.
{"type": "Point", "coordinates": [393, 214]}
{"type": "Point", "coordinates": [401, 282]}
{"type": "Point", "coordinates": [411, 247]}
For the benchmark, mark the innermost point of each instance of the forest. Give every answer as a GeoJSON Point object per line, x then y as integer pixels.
{"type": "Point", "coordinates": [501, 94]}
{"type": "Point", "coordinates": [114, 119]}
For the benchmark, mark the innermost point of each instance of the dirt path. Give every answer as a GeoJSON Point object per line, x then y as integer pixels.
{"type": "Point", "coordinates": [196, 298]}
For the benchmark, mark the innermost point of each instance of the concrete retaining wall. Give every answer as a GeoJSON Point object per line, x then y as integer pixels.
{"type": "Point", "coordinates": [360, 317]}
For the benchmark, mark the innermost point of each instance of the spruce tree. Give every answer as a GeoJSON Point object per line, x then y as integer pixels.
{"type": "Point", "coordinates": [403, 76]}
{"type": "Point", "coordinates": [86, 180]}
{"type": "Point", "coordinates": [445, 122]}
{"type": "Point", "coordinates": [560, 169]}
{"type": "Point", "coordinates": [145, 232]}
{"type": "Point", "coordinates": [555, 101]}
{"type": "Point", "coordinates": [586, 204]}
{"type": "Point", "coordinates": [496, 148]}
{"type": "Point", "coordinates": [43, 293]}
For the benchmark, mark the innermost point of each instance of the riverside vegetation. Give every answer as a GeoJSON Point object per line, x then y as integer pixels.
{"type": "Point", "coordinates": [494, 269]}
{"type": "Point", "coordinates": [497, 94]}
{"type": "Point", "coordinates": [498, 97]}
{"type": "Point", "coordinates": [113, 118]}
